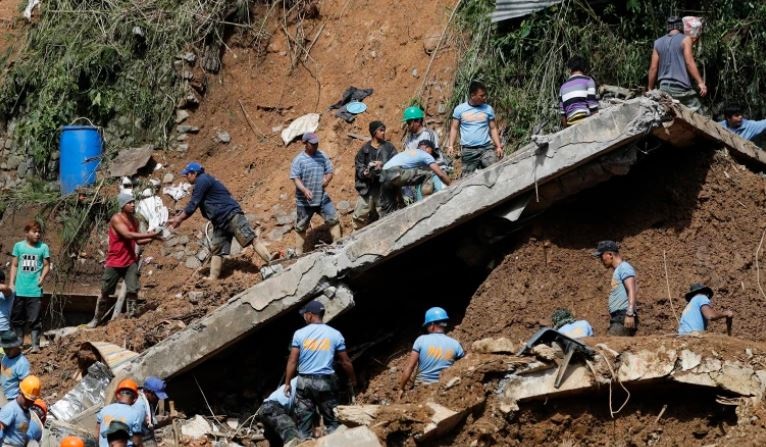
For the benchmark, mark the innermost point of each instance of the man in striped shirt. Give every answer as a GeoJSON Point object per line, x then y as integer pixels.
{"type": "Point", "coordinates": [577, 96]}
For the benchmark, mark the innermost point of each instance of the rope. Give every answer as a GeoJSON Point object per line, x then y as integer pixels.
{"type": "Point", "coordinates": [614, 378]}
{"type": "Point", "coordinates": [667, 283]}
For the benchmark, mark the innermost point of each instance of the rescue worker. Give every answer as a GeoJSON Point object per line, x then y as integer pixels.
{"type": "Point", "coordinates": [413, 116]}
{"type": "Point", "coordinates": [118, 434]}
{"type": "Point", "coordinates": [15, 415]}
{"type": "Point", "coordinates": [313, 349]}
{"type": "Point", "coordinates": [409, 167]}
{"type": "Point", "coordinates": [432, 353]}
{"type": "Point", "coordinates": [623, 293]}
{"type": "Point", "coordinates": [122, 411]}
{"type": "Point", "coordinates": [37, 422]}
{"type": "Point", "coordinates": [147, 403]}
{"type": "Point", "coordinates": [122, 258]}
{"type": "Point", "coordinates": [367, 166]}
{"type": "Point", "coordinates": [72, 441]}
{"type": "Point", "coordinates": [14, 367]}
{"type": "Point", "coordinates": [312, 172]}
{"type": "Point", "coordinates": [699, 311]}
{"type": "Point", "coordinates": [275, 411]}
{"type": "Point", "coordinates": [564, 322]}
{"type": "Point", "coordinates": [218, 206]}
{"type": "Point", "coordinates": [735, 122]}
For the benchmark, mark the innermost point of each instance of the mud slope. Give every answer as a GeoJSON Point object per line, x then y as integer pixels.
{"type": "Point", "coordinates": [697, 208]}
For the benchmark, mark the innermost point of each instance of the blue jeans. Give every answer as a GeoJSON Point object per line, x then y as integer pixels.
{"type": "Point", "coordinates": [305, 213]}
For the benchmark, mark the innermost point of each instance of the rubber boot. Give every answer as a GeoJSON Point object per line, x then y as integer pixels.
{"type": "Point", "coordinates": [97, 316]}
{"type": "Point", "coordinates": [300, 240]}
{"type": "Point", "coordinates": [335, 232]}
{"type": "Point", "coordinates": [19, 330]}
{"type": "Point", "coordinates": [216, 262]}
{"type": "Point", "coordinates": [132, 304]}
{"type": "Point", "coordinates": [35, 340]}
{"type": "Point", "coordinates": [262, 251]}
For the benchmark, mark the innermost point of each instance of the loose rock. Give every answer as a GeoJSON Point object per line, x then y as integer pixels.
{"type": "Point", "coordinates": [181, 116]}
{"type": "Point", "coordinates": [168, 178]}
{"type": "Point", "coordinates": [193, 263]}
{"type": "Point", "coordinates": [223, 137]}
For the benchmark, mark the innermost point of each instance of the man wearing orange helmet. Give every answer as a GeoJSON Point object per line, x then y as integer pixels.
{"type": "Point", "coordinates": [37, 421]}
{"type": "Point", "coordinates": [15, 415]}
{"type": "Point", "coordinates": [72, 441]}
{"type": "Point", "coordinates": [121, 411]}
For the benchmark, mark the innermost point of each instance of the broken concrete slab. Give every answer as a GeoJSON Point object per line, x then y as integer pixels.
{"type": "Point", "coordinates": [352, 437]}
{"type": "Point", "coordinates": [129, 162]}
{"type": "Point", "coordinates": [500, 345]}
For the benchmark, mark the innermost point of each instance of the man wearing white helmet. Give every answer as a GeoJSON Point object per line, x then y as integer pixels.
{"type": "Point", "coordinates": [433, 352]}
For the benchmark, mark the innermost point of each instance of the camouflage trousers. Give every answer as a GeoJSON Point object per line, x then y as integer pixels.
{"type": "Point", "coordinates": [316, 393]}
{"type": "Point", "coordinates": [277, 418]}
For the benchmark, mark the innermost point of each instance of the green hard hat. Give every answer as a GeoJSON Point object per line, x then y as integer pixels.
{"type": "Point", "coordinates": [561, 317]}
{"type": "Point", "coordinates": [413, 113]}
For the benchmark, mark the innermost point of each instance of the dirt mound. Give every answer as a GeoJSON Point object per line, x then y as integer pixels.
{"type": "Point", "coordinates": [697, 209]}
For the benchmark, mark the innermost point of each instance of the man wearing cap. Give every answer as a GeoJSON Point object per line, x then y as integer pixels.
{"type": "Point", "coordinates": [479, 137]}
{"type": "Point", "coordinates": [312, 171]}
{"type": "Point", "coordinates": [121, 411]}
{"type": "Point", "coordinates": [15, 415]}
{"type": "Point", "coordinates": [118, 434]}
{"type": "Point", "coordinates": [122, 258]}
{"type": "Point", "coordinates": [313, 349]}
{"type": "Point", "coordinates": [368, 164]}
{"type": "Point", "coordinates": [218, 206]}
{"type": "Point", "coordinates": [564, 322]}
{"type": "Point", "coordinates": [275, 411]}
{"type": "Point", "coordinates": [699, 311]}
{"type": "Point", "coordinates": [622, 296]}
{"type": "Point", "coordinates": [146, 404]}
{"type": "Point", "coordinates": [14, 367]}
{"type": "Point", "coordinates": [409, 167]}
{"type": "Point", "coordinates": [673, 63]}
{"type": "Point", "coordinates": [432, 353]}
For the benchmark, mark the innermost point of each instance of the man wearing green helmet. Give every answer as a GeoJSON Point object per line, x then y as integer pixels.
{"type": "Point", "coordinates": [564, 322]}
{"type": "Point", "coordinates": [416, 129]}
{"type": "Point", "coordinates": [432, 353]}
{"type": "Point", "coordinates": [475, 119]}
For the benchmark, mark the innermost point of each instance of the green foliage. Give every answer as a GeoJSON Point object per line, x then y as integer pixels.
{"type": "Point", "coordinates": [100, 59]}
{"type": "Point", "coordinates": [523, 61]}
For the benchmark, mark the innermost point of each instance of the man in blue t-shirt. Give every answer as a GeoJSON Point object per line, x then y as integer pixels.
{"type": "Point", "coordinates": [275, 410]}
{"type": "Point", "coordinates": [699, 310]}
{"type": "Point", "coordinates": [734, 121]}
{"type": "Point", "coordinates": [14, 367]}
{"type": "Point", "coordinates": [433, 352]}
{"type": "Point", "coordinates": [312, 351]}
{"type": "Point", "coordinates": [121, 411]}
{"type": "Point", "coordinates": [409, 167]}
{"type": "Point", "coordinates": [564, 322]}
{"type": "Point", "coordinates": [622, 296]}
{"type": "Point", "coordinates": [15, 416]}
{"type": "Point", "coordinates": [479, 138]}
{"type": "Point", "coordinates": [312, 172]}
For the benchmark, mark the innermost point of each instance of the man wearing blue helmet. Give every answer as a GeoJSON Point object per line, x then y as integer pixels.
{"type": "Point", "coordinates": [432, 352]}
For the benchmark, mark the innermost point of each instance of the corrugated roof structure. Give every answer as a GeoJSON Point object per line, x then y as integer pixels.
{"type": "Point", "coordinates": [510, 9]}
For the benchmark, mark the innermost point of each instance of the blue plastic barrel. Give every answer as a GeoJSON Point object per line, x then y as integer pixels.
{"type": "Point", "coordinates": [81, 148]}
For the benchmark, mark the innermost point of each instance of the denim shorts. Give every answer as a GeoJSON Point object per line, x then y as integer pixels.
{"type": "Point", "coordinates": [326, 209]}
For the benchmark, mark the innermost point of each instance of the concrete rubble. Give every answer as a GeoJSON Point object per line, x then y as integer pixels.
{"type": "Point", "coordinates": [557, 165]}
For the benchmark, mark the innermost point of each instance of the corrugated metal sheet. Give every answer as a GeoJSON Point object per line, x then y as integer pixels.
{"type": "Point", "coordinates": [510, 9]}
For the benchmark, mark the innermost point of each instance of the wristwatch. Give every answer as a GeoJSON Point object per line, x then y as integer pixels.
{"type": "Point", "coordinates": [631, 312]}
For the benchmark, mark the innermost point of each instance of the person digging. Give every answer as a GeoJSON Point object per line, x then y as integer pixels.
{"type": "Point", "coordinates": [122, 259]}
{"type": "Point", "coordinates": [699, 311]}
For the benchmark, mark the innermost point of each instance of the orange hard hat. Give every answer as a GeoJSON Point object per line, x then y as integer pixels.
{"type": "Point", "coordinates": [30, 387]}
{"type": "Point", "coordinates": [72, 441]}
{"type": "Point", "coordinates": [41, 405]}
{"type": "Point", "coordinates": [127, 384]}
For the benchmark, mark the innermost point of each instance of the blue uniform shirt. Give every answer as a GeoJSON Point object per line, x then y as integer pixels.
{"type": "Point", "coordinates": [618, 296]}
{"type": "Point", "coordinates": [692, 319]}
{"type": "Point", "coordinates": [16, 422]}
{"type": "Point", "coordinates": [6, 304]}
{"type": "Point", "coordinates": [12, 372]}
{"type": "Point", "coordinates": [577, 329]}
{"type": "Point", "coordinates": [410, 158]}
{"type": "Point", "coordinates": [122, 413]}
{"type": "Point", "coordinates": [748, 130]}
{"type": "Point", "coordinates": [318, 344]}
{"type": "Point", "coordinates": [34, 432]}
{"type": "Point", "coordinates": [279, 397]}
{"type": "Point", "coordinates": [474, 123]}
{"type": "Point", "coordinates": [213, 199]}
{"type": "Point", "coordinates": [435, 352]}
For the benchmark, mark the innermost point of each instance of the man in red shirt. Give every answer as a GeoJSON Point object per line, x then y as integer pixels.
{"type": "Point", "coordinates": [121, 257]}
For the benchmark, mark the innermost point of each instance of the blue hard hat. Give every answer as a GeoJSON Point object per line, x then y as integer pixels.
{"type": "Point", "coordinates": [192, 167]}
{"type": "Point", "coordinates": [156, 386]}
{"type": "Point", "coordinates": [435, 315]}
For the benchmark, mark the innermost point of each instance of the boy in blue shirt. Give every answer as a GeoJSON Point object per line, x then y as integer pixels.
{"type": "Point", "coordinates": [30, 266]}
{"type": "Point", "coordinates": [433, 352]}
{"type": "Point", "coordinates": [313, 349]}
{"type": "Point", "coordinates": [623, 320]}
{"type": "Point", "coordinates": [14, 367]}
{"type": "Point", "coordinates": [275, 410]}
{"type": "Point", "coordinates": [479, 137]}
{"type": "Point", "coordinates": [699, 310]}
{"type": "Point", "coordinates": [564, 322]}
